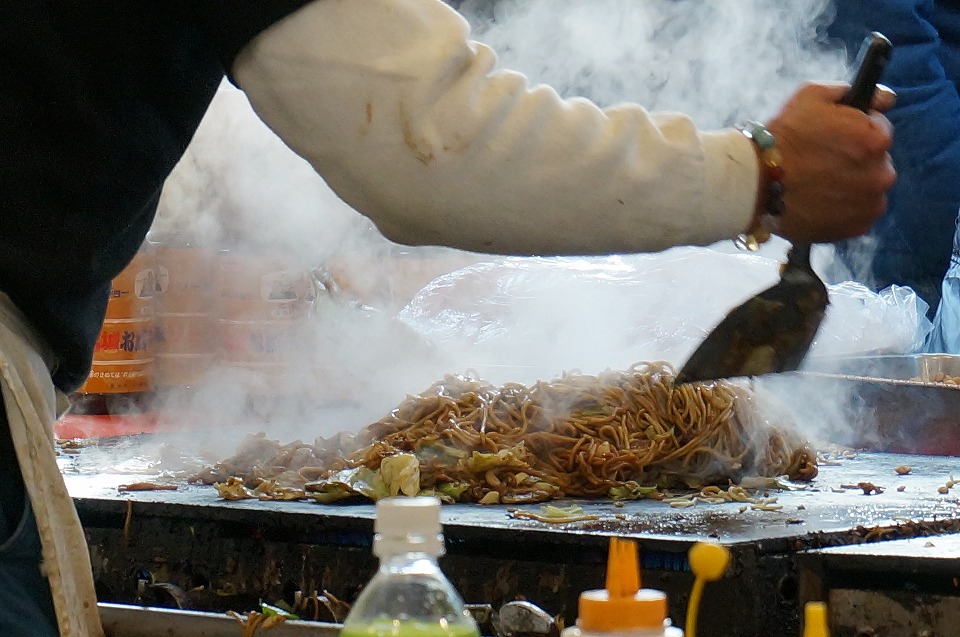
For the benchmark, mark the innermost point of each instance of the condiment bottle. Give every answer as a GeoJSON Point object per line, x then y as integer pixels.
{"type": "Point", "coordinates": [409, 596]}
{"type": "Point", "coordinates": [815, 620]}
{"type": "Point", "coordinates": [623, 608]}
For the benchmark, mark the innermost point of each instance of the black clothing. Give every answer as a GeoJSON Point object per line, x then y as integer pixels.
{"type": "Point", "coordinates": [98, 101]}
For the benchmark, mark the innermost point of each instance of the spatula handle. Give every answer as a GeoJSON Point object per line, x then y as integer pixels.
{"type": "Point", "coordinates": [871, 60]}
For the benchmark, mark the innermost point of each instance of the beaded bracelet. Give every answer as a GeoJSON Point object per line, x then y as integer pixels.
{"type": "Point", "coordinates": [768, 220]}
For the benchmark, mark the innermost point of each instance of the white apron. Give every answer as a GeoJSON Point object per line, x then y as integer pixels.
{"type": "Point", "coordinates": [31, 403]}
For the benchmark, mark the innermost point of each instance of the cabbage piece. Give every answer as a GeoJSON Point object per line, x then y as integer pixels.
{"type": "Point", "coordinates": [401, 474]}
{"type": "Point", "coordinates": [555, 511]}
{"type": "Point", "coordinates": [479, 462]}
{"type": "Point", "coordinates": [453, 489]}
{"type": "Point", "coordinates": [270, 610]}
{"type": "Point", "coordinates": [348, 483]}
{"type": "Point", "coordinates": [630, 491]}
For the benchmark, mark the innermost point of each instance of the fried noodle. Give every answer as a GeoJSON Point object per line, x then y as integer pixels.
{"type": "Point", "coordinates": [579, 435]}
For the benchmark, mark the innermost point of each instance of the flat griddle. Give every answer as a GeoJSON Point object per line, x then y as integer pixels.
{"type": "Point", "coordinates": [235, 553]}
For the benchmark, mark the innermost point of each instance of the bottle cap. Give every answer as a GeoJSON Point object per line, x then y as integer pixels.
{"type": "Point", "coordinates": [405, 524]}
{"type": "Point", "coordinates": [623, 605]}
{"type": "Point", "coordinates": [815, 620]}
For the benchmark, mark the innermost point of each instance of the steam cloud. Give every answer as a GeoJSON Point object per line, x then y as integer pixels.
{"type": "Point", "coordinates": [716, 61]}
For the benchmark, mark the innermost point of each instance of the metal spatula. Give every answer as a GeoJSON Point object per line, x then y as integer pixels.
{"type": "Point", "coordinates": [772, 331]}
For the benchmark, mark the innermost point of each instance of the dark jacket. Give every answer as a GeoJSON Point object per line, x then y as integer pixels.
{"type": "Point", "coordinates": [913, 240]}
{"type": "Point", "coordinates": [98, 100]}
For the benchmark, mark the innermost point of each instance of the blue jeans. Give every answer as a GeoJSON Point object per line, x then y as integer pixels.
{"type": "Point", "coordinates": [26, 607]}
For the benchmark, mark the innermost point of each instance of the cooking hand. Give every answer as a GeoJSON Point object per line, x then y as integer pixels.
{"type": "Point", "coordinates": [836, 163]}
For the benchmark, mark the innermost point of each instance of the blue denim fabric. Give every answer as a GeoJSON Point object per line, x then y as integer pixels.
{"type": "Point", "coordinates": [914, 237]}
{"type": "Point", "coordinates": [26, 607]}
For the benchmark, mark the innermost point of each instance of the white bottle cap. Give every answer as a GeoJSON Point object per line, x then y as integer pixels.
{"type": "Point", "coordinates": [405, 524]}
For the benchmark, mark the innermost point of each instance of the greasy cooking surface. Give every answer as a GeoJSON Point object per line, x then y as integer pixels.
{"type": "Point", "coordinates": [816, 516]}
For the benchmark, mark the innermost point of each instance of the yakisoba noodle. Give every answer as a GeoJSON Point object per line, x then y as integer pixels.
{"type": "Point", "coordinates": [578, 435]}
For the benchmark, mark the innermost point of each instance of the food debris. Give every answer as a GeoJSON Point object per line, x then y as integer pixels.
{"type": "Point", "coordinates": [901, 488]}
{"type": "Point", "coordinates": [943, 490]}
{"type": "Point", "coordinates": [270, 490]}
{"type": "Point", "coordinates": [254, 620]}
{"type": "Point", "coordinates": [554, 514]}
{"type": "Point", "coordinates": [902, 470]}
{"type": "Point", "coordinates": [146, 486]}
{"type": "Point", "coordinates": [878, 533]}
{"type": "Point", "coordinates": [939, 378]}
{"type": "Point", "coordinates": [867, 487]}
{"type": "Point", "coordinates": [233, 489]}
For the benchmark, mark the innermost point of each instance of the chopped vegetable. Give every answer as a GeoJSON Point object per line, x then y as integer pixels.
{"type": "Point", "coordinates": [400, 473]}
{"type": "Point", "coordinates": [630, 491]}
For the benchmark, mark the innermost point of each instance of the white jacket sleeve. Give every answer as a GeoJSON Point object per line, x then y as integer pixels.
{"type": "Point", "coordinates": [408, 122]}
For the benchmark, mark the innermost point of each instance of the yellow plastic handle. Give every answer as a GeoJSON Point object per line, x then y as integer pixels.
{"type": "Point", "coordinates": [708, 563]}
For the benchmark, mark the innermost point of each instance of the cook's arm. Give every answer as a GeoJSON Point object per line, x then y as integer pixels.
{"type": "Point", "coordinates": [407, 121]}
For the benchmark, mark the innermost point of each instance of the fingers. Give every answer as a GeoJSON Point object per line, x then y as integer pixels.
{"type": "Point", "coordinates": [836, 161]}
{"type": "Point", "coordinates": [883, 99]}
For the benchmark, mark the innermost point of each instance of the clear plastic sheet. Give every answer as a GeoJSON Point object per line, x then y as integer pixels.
{"type": "Point", "coordinates": [945, 337]}
{"type": "Point", "coordinates": [534, 317]}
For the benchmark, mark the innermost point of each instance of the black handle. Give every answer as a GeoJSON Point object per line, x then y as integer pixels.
{"type": "Point", "coordinates": [871, 60]}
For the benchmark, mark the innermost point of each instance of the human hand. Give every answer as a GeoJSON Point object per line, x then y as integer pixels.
{"type": "Point", "coordinates": [836, 163]}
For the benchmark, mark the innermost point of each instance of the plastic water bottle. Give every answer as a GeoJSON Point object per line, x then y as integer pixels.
{"type": "Point", "coordinates": [409, 596]}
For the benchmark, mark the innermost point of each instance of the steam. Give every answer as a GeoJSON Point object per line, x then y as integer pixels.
{"type": "Point", "coordinates": [715, 61]}
{"type": "Point", "coordinates": [240, 187]}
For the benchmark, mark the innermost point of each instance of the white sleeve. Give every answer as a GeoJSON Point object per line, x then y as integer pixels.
{"type": "Point", "coordinates": [407, 121]}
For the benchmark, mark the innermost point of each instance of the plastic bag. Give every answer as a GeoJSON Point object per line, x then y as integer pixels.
{"type": "Point", "coordinates": [945, 336]}
{"type": "Point", "coordinates": [524, 319]}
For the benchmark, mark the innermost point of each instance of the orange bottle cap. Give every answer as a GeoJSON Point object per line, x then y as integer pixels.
{"type": "Point", "coordinates": [599, 612]}
{"type": "Point", "coordinates": [623, 605]}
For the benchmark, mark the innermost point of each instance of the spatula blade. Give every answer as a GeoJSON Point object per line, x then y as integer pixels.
{"type": "Point", "coordinates": [770, 333]}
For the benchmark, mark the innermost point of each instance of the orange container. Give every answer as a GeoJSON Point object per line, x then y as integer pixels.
{"type": "Point", "coordinates": [260, 288]}
{"type": "Point", "coordinates": [125, 340]}
{"type": "Point", "coordinates": [259, 341]}
{"type": "Point", "coordinates": [184, 279]}
{"type": "Point", "coordinates": [132, 291]}
{"type": "Point", "coordinates": [179, 370]}
{"type": "Point", "coordinates": [185, 334]}
{"type": "Point", "coordinates": [119, 377]}
{"type": "Point", "coordinates": [267, 379]}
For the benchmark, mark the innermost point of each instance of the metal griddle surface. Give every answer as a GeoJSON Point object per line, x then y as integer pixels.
{"type": "Point", "coordinates": [818, 510]}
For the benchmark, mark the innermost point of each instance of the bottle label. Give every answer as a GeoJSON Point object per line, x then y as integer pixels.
{"type": "Point", "coordinates": [119, 377]}
{"type": "Point", "coordinates": [124, 340]}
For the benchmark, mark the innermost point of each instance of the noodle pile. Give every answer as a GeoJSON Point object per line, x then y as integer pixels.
{"type": "Point", "coordinates": [620, 434]}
